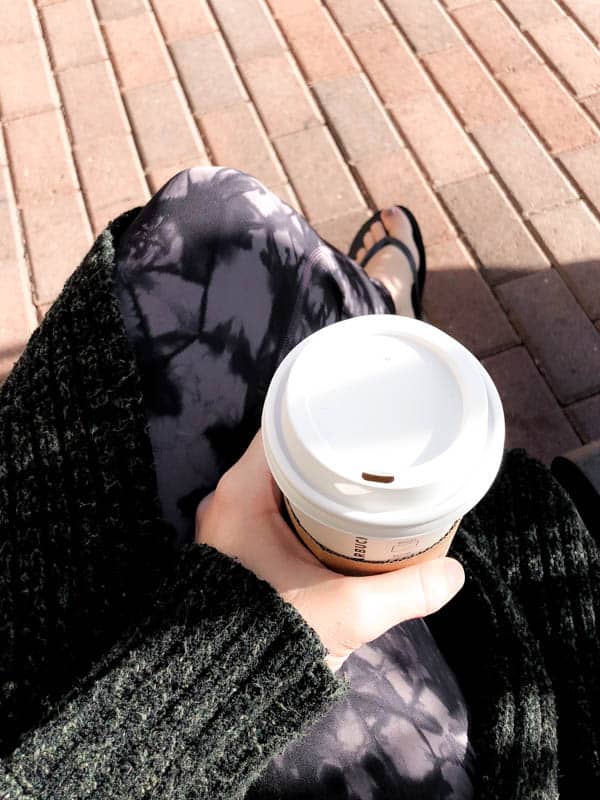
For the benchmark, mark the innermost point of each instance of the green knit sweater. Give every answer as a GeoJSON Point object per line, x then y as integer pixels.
{"type": "Point", "coordinates": [133, 669]}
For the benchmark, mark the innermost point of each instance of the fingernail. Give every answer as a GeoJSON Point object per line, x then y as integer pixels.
{"type": "Point", "coordinates": [455, 574]}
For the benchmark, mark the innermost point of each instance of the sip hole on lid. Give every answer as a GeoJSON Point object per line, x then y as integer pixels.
{"type": "Point", "coordinates": [377, 478]}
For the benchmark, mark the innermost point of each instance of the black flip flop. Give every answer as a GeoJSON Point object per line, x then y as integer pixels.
{"type": "Point", "coordinates": [419, 273]}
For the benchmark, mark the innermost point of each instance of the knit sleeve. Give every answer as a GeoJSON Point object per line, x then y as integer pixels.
{"type": "Point", "coordinates": [219, 676]}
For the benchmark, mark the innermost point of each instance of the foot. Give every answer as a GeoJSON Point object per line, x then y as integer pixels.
{"type": "Point", "coordinates": [390, 265]}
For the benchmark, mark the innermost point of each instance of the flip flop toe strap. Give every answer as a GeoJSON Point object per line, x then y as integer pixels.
{"type": "Point", "coordinates": [415, 291]}
{"type": "Point", "coordinates": [397, 243]}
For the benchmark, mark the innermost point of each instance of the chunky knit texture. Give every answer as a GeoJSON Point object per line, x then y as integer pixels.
{"type": "Point", "coordinates": [522, 637]}
{"type": "Point", "coordinates": [130, 669]}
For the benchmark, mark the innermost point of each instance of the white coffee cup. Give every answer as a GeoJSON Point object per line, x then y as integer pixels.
{"type": "Point", "coordinates": [381, 432]}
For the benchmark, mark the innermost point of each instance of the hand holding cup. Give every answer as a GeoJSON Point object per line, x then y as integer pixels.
{"type": "Point", "coordinates": [242, 519]}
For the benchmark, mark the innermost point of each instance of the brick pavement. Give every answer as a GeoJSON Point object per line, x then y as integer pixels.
{"type": "Point", "coordinates": [481, 116]}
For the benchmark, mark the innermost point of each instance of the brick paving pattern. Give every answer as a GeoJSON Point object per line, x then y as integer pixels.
{"type": "Point", "coordinates": [481, 116]}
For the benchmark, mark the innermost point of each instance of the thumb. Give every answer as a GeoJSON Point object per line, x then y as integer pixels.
{"type": "Point", "coordinates": [253, 480]}
{"type": "Point", "coordinates": [389, 598]}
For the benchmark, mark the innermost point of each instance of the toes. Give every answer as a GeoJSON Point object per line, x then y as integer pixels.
{"type": "Point", "coordinates": [360, 255]}
{"type": "Point", "coordinates": [397, 223]}
{"type": "Point", "coordinates": [389, 218]}
{"type": "Point", "coordinates": [373, 235]}
{"type": "Point", "coordinates": [377, 231]}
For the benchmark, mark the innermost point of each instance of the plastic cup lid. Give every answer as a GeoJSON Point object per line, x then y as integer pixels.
{"type": "Point", "coordinates": [384, 420]}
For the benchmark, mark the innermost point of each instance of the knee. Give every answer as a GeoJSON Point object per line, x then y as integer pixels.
{"type": "Point", "coordinates": [220, 180]}
{"type": "Point", "coordinates": [189, 176]}
{"type": "Point", "coordinates": [229, 196]}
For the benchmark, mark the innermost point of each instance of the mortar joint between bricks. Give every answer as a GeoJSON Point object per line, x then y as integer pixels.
{"type": "Point", "coordinates": [23, 259]}
{"type": "Point", "coordinates": [245, 84]}
{"type": "Point", "coordinates": [580, 192]}
{"type": "Point", "coordinates": [250, 101]}
{"type": "Point", "coordinates": [387, 19]}
{"type": "Point", "coordinates": [181, 83]}
{"type": "Point", "coordinates": [373, 88]}
{"type": "Point", "coordinates": [536, 49]}
{"type": "Point", "coordinates": [66, 123]}
{"type": "Point", "coordinates": [561, 79]}
{"type": "Point", "coordinates": [102, 29]}
{"type": "Point", "coordinates": [63, 121]}
{"type": "Point", "coordinates": [418, 162]}
{"type": "Point", "coordinates": [474, 52]}
{"type": "Point", "coordinates": [568, 12]}
{"type": "Point", "coordinates": [370, 85]}
{"type": "Point", "coordinates": [421, 166]}
{"type": "Point", "coordinates": [489, 164]}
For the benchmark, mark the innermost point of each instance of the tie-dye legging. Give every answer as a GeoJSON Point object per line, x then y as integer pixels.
{"type": "Point", "coordinates": [217, 280]}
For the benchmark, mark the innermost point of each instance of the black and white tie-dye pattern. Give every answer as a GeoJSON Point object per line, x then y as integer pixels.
{"type": "Point", "coordinates": [217, 280]}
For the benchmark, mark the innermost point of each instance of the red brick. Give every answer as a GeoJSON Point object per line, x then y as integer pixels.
{"type": "Point", "coordinates": [357, 117]}
{"type": "Point", "coordinates": [424, 23]}
{"type": "Point", "coordinates": [164, 129]}
{"type": "Point", "coordinates": [92, 101]}
{"type": "Point", "coordinates": [352, 16]}
{"type": "Point", "coordinates": [534, 419]}
{"type": "Point", "coordinates": [496, 38]}
{"type": "Point", "coordinates": [318, 174]}
{"type": "Point", "coordinates": [117, 9]}
{"type": "Point", "coordinates": [552, 112]}
{"type": "Point", "coordinates": [341, 231]}
{"type": "Point", "coordinates": [572, 235]}
{"type": "Point", "coordinates": [73, 33]}
{"type": "Point", "coordinates": [318, 45]}
{"type": "Point", "coordinates": [40, 155]}
{"type": "Point", "coordinates": [183, 19]}
{"type": "Point", "coordinates": [102, 217]}
{"type": "Point", "coordinates": [58, 236]}
{"type": "Point", "coordinates": [390, 64]}
{"type": "Point", "coordinates": [453, 4]}
{"type": "Point", "coordinates": [208, 89]}
{"type": "Point", "coordinates": [585, 418]}
{"type": "Point", "coordinates": [289, 8]}
{"type": "Point", "coordinates": [573, 55]}
{"type": "Point", "coordinates": [249, 30]}
{"type": "Point", "coordinates": [556, 331]}
{"type": "Point", "coordinates": [18, 22]}
{"type": "Point", "coordinates": [502, 243]}
{"type": "Point", "coordinates": [26, 82]}
{"type": "Point", "coordinates": [280, 94]}
{"type": "Point", "coordinates": [458, 300]}
{"type": "Point", "coordinates": [111, 177]}
{"type": "Point", "coordinates": [394, 179]}
{"type": "Point", "coordinates": [533, 12]}
{"type": "Point", "coordinates": [286, 193]}
{"type": "Point", "coordinates": [587, 13]}
{"type": "Point", "coordinates": [236, 139]}
{"type": "Point", "coordinates": [584, 166]}
{"type": "Point", "coordinates": [138, 51]}
{"type": "Point", "coordinates": [524, 166]}
{"type": "Point", "coordinates": [470, 89]}
{"type": "Point", "coordinates": [17, 315]}
{"type": "Point", "coordinates": [436, 137]}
